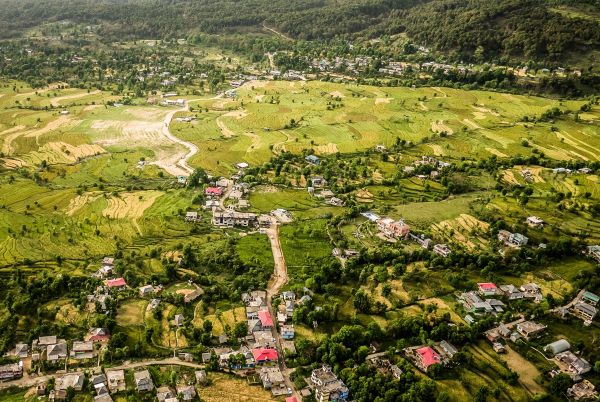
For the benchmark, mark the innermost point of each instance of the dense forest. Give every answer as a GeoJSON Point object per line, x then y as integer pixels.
{"type": "Point", "coordinates": [474, 30]}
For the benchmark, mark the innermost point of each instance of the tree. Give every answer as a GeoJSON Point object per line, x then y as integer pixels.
{"type": "Point", "coordinates": [362, 302]}
{"type": "Point", "coordinates": [560, 383]}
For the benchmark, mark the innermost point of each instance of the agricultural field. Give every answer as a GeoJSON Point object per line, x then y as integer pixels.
{"type": "Point", "coordinates": [330, 118]}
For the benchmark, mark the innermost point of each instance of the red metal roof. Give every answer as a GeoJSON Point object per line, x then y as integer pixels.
{"type": "Point", "coordinates": [487, 286]}
{"type": "Point", "coordinates": [291, 399]}
{"type": "Point", "coordinates": [214, 190]}
{"type": "Point", "coordinates": [116, 283]}
{"type": "Point", "coordinates": [428, 356]}
{"type": "Point", "coordinates": [263, 354]}
{"type": "Point", "coordinates": [265, 318]}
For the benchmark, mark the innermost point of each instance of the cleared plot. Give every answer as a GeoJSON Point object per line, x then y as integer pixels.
{"type": "Point", "coordinates": [131, 313]}
{"type": "Point", "coordinates": [229, 388]}
{"type": "Point", "coordinates": [466, 230]}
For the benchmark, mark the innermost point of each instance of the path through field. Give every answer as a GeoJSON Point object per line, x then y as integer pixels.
{"type": "Point", "coordinates": [181, 166]}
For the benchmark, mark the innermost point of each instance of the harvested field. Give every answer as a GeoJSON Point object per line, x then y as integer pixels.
{"type": "Point", "coordinates": [77, 203]}
{"type": "Point", "coordinates": [130, 205]}
{"type": "Point", "coordinates": [526, 370]}
{"type": "Point", "coordinates": [57, 101]}
{"type": "Point", "coordinates": [439, 127]}
{"type": "Point", "coordinates": [464, 230]}
{"type": "Point", "coordinates": [382, 100]}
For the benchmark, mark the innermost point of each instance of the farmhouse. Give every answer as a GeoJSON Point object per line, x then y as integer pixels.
{"type": "Point", "coordinates": [584, 311]}
{"type": "Point", "coordinates": [232, 218]}
{"type": "Point", "coordinates": [530, 329]}
{"type": "Point", "coordinates": [192, 216]}
{"type": "Point", "coordinates": [318, 181]}
{"type": "Point", "coordinates": [328, 387]}
{"type": "Point", "coordinates": [164, 393]}
{"type": "Point", "coordinates": [442, 249]}
{"type": "Point", "coordinates": [474, 304]}
{"type": "Point", "coordinates": [517, 239]}
{"type": "Point", "coordinates": [266, 321]}
{"type": "Point", "coordinates": [535, 222]}
{"type": "Point", "coordinates": [99, 383]}
{"type": "Point", "coordinates": [263, 339]}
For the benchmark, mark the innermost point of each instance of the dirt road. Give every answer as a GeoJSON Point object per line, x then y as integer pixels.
{"type": "Point", "coordinates": [280, 276]}
{"type": "Point", "coordinates": [181, 167]}
{"type": "Point", "coordinates": [27, 382]}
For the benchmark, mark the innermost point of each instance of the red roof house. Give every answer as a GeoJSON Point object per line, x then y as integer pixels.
{"type": "Point", "coordinates": [487, 288]}
{"type": "Point", "coordinates": [98, 335]}
{"type": "Point", "coordinates": [264, 355]}
{"type": "Point", "coordinates": [214, 191]}
{"type": "Point", "coordinates": [265, 319]}
{"type": "Point", "coordinates": [291, 399]}
{"type": "Point", "coordinates": [428, 356]}
{"type": "Point", "coordinates": [116, 283]}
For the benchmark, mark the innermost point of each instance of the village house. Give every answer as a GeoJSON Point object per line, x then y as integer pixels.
{"type": "Point", "coordinates": [143, 381]}
{"type": "Point", "coordinates": [232, 218]}
{"type": "Point", "coordinates": [153, 304]}
{"type": "Point", "coordinates": [271, 377]}
{"type": "Point", "coordinates": [532, 291]}
{"type": "Point", "coordinates": [265, 355]}
{"type": "Point", "coordinates": [201, 377]}
{"type": "Point", "coordinates": [517, 239]}
{"type": "Point", "coordinates": [146, 290]}
{"type": "Point", "coordinates": [328, 387]}
{"type": "Point", "coordinates": [82, 350]}
{"type": "Point", "coordinates": [178, 320]}
{"type": "Point", "coordinates": [393, 229]}
{"type": "Point", "coordinates": [164, 393]}
{"type": "Point", "coordinates": [222, 183]}
{"type": "Point", "coordinates": [187, 392]}
{"type": "Point", "coordinates": [71, 380]}
{"type": "Point", "coordinates": [487, 289]}
{"type": "Point", "coordinates": [530, 329]}
{"type": "Point", "coordinates": [287, 332]}
{"type": "Point", "coordinates": [118, 283]}
{"type": "Point", "coordinates": [584, 311]}
{"type": "Point", "coordinates": [11, 371]}
{"type": "Point", "coordinates": [511, 292]}
{"type": "Point", "coordinates": [263, 339]}
{"type": "Point", "coordinates": [448, 349]}
{"type": "Point", "coordinates": [99, 383]}
{"type": "Point", "coordinates": [266, 321]}
{"type": "Point", "coordinates": [213, 192]}
{"type": "Point", "coordinates": [20, 351]}
{"type": "Point", "coordinates": [594, 252]}
{"type": "Point", "coordinates": [57, 351]}
{"type": "Point", "coordinates": [474, 304]}
{"type": "Point", "coordinates": [313, 160]}
{"type": "Point", "coordinates": [116, 380]}
{"type": "Point", "coordinates": [424, 357]}
{"type": "Point", "coordinates": [535, 222]}
{"type": "Point", "coordinates": [192, 216]}
{"type": "Point", "coordinates": [583, 390]}
{"type": "Point", "coordinates": [590, 298]}
{"type": "Point", "coordinates": [318, 181]}
{"type": "Point", "coordinates": [571, 364]}
{"type": "Point", "coordinates": [442, 249]}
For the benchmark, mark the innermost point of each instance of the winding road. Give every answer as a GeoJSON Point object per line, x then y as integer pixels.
{"type": "Point", "coordinates": [192, 149]}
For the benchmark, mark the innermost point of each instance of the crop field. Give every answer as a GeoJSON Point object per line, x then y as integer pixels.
{"type": "Point", "coordinates": [347, 118]}
{"type": "Point", "coordinates": [225, 387]}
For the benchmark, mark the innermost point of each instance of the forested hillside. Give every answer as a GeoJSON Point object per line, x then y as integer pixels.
{"type": "Point", "coordinates": [474, 30]}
